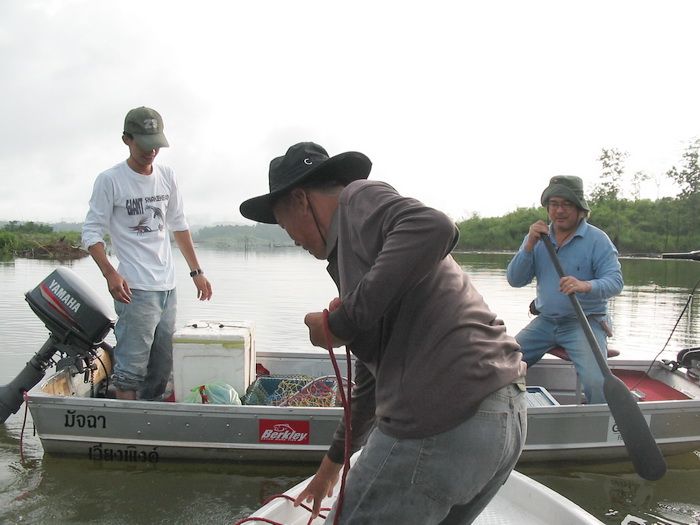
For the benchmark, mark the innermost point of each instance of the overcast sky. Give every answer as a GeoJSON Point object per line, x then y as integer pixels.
{"type": "Point", "coordinates": [468, 106]}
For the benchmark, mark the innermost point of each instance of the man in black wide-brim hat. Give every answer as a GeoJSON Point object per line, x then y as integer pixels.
{"type": "Point", "coordinates": [438, 401]}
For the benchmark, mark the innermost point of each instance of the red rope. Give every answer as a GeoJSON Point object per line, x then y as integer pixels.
{"type": "Point", "coordinates": [21, 451]}
{"type": "Point", "coordinates": [302, 505]}
{"type": "Point", "coordinates": [24, 425]}
{"type": "Point", "coordinates": [345, 399]}
{"type": "Point", "coordinates": [283, 496]}
{"type": "Point", "coordinates": [347, 409]}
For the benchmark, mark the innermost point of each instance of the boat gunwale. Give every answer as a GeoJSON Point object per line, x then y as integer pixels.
{"type": "Point", "coordinates": [198, 415]}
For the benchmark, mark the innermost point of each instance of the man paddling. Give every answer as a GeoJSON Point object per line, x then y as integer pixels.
{"type": "Point", "coordinates": [435, 370]}
{"type": "Point", "coordinates": [590, 261]}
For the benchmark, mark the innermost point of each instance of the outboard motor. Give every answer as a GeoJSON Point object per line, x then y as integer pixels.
{"type": "Point", "coordinates": [689, 359]}
{"type": "Point", "coordinates": [78, 321]}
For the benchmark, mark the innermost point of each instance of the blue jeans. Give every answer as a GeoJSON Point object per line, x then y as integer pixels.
{"type": "Point", "coordinates": [545, 333]}
{"type": "Point", "coordinates": [144, 350]}
{"type": "Point", "coordinates": [448, 478]}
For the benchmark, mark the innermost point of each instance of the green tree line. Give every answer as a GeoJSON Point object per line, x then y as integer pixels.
{"type": "Point", "coordinates": [243, 236]}
{"type": "Point", "coordinates": [38, 240]}
{"type": "Point", "coordinates": [635, 225]}
{"type": "Point", "coordinates": [25, 239]}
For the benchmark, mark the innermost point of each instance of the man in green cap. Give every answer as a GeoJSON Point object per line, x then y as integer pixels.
{"type": "Point", "coordinates": [590, 262]}
{"type": "Point", "coordinates": [138, 203]}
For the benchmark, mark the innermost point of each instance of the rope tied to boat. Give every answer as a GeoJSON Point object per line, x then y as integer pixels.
{"type": "Point", "coordinates": [273, 522]}
{"type": "Point", "coordinates": [21, 450]}
{"type": "Point", "coordinates": [347, 409]}
{"type": "Point", "coordinates": [347, 414]}
{"type": "Point", "coordinates": [24, 426]}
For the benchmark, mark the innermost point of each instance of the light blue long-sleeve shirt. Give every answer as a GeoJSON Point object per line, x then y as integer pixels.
{"type": "Point", "coordinates": [589, 256]}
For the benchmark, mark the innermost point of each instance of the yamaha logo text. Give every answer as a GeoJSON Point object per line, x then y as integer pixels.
{"type": "Point", "coordinates": [64, 296]}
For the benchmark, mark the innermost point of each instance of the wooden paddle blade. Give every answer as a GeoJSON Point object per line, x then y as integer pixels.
{"type": "Point", "coordinates": [644, 453]}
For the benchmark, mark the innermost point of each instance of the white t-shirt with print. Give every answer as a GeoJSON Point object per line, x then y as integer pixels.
{"type": "Point", "coordinates": [138, 212]}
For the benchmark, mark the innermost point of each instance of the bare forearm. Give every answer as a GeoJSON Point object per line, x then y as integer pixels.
{"type": "Point", "coordinates": [116, 284]}
{"type": "Point", "coordinates": [186, 246]}
{"type": "Point", "coordinates": [184, 242]}
{"type": "Point", "coordinates": [97, 251]}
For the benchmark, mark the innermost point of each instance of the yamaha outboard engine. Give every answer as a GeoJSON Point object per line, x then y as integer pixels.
{"type": "Point", "coordinates": [78, 321]}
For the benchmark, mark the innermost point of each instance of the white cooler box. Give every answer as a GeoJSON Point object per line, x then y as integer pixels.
{"type": "Point", "coordinates": [213, 351]}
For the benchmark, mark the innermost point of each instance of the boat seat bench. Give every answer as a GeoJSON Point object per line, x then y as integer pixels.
{"type": "Point", "coordinates": [561, 353]}
{"type": "Point", "coordinates": [644, 387]}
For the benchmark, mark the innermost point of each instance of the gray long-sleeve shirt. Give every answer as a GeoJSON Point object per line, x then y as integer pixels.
{"type": "Point", "coordinates": [429, 349]}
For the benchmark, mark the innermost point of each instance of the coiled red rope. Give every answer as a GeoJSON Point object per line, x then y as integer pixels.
{"type": "Point", "coordinates": [347, 409]}
{"type": "Point", "coordinates": [273, 522]}
{"type": "Point", "coordinates": [345, 397]}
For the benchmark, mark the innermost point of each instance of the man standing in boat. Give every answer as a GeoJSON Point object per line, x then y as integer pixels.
{"type": "Point", "coordinates": [435, 370]}
{"type": "Point", "coordinates": [590, 262]}
{"type": "Point", "coordinates": [138, 203]}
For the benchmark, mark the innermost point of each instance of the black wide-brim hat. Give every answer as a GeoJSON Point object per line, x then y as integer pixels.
{"type": "Point", "coordinates": [304, 162]}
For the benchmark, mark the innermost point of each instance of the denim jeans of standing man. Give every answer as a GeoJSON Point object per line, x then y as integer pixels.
{"type": "Point", "coordinates": [144, 350]}
{"type": "Point", "coordinates": [445, 479]}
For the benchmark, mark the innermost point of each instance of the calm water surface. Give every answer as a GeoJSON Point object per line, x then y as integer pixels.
{"type": "Point", "coordinates": [276, 289]}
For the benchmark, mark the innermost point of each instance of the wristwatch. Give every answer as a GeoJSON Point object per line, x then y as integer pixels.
{"type": "Point", "coordinates": [196, 272]}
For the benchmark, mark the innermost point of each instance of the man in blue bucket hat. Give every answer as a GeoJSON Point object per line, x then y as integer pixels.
{"type": "Point", "coordinates": [438, 400]}
{"type": "Point", "coordinates": [593, 273]}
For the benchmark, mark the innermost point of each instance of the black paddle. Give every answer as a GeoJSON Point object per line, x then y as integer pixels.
{"type": "Point", "coordinates": [643, 451]}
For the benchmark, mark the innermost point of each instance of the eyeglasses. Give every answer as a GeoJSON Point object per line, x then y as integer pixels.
{"type": "Point", "coordinates": [566, 205]}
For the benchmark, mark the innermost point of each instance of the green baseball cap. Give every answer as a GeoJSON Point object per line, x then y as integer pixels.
{"type": "Point", "coordinates": [567, 187]}
{"type": "Point", "coordinates": [146, 126]}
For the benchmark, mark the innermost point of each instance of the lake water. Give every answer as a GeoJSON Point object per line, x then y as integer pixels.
{"type": "Point", "coordinates": [276, 288]}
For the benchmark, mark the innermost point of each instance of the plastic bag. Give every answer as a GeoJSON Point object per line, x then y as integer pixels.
{"type": "Point", "coordinates": [213, 394]}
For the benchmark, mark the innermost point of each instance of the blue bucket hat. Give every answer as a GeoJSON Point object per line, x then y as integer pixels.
{"type": "Point", "coordinates": [567, 187]}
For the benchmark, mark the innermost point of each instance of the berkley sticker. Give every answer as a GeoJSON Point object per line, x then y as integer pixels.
{"type": "Point", "coordinates": [284, 432]}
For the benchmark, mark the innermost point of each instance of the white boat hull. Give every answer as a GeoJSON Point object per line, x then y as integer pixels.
{"type": "Point", "coordinates": [521, 500]}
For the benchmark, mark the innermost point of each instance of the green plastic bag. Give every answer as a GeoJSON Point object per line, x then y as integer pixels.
{"type": "Point", "coordinates": [213, 394]}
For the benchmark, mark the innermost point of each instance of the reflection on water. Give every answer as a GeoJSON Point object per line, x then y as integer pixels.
{"type": "Point", "coordinates": [276, 288]}
{"type": "Point", "coordinates": [615, 494]}
{"type": "Point", "coordinates": [79, 492]}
